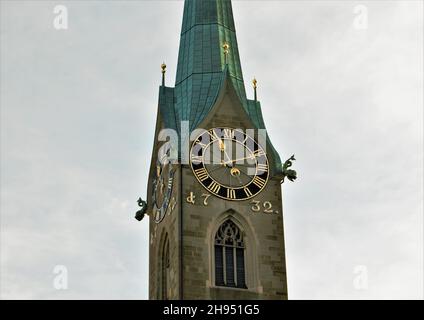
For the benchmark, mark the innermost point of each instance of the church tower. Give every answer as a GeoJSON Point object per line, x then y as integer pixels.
{"type": "Point", "coordinates": [214, 191]}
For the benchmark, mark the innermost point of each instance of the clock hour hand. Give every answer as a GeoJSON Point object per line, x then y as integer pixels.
{"type": "Point", "coordinates": [222, 148]}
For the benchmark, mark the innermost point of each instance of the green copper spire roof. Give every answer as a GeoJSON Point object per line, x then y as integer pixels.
{"type": "Point", "coordinates": [203, 67]}
{"type": "Point", "coordinates": [207, 25]}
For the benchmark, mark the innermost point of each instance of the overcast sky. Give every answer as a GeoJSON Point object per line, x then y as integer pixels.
{"type": "Point", "coordinates": [78, 108]}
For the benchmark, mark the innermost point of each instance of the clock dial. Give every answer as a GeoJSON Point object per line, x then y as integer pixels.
{"type": "Point", "coordinates": [162, 188]}
{"type": "Point", "coordinates": [229, 163]}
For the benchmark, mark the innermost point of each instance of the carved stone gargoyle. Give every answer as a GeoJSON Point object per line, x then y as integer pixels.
{"type": "Point", "coordinates": [289, 173]}
{"type": "Point", "coordinates": [139, 215]}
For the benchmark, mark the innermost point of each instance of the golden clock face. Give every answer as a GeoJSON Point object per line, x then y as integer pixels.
{"type": "Point", "coordinates": [229, 163]}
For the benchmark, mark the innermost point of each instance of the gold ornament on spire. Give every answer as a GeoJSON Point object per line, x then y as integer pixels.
{"type": "Point", "coordinates": [255, 86]}
{"type": "Point", "coordinates": [226, 47]}
{"type": "Point", "coordinates": [163, 67]}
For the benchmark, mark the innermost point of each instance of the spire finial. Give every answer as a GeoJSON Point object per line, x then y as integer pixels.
{"type": "Point", "coordinates": [255, 86]}
{"type": "Point", "coordinates": [163, 67]}
{"type": "Point", "coordinates": [226, 47]}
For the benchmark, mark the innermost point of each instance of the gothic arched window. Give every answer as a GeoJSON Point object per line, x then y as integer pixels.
{"type": "Point", "coordinates": [165, 270]}
{"type": "Point", "coordinates": [229, 256]}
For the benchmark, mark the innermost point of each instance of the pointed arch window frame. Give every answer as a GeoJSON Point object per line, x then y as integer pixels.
{"type": "Point", "coordinates": [229, 256]}
{"type": "Point", "coordinates": [165, 268]}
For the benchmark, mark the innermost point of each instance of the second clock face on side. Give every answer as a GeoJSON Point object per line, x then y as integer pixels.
{"type": "Point", "coordinates": [162, 188]}
{"type": "Point", "coordinates": [229, 163]}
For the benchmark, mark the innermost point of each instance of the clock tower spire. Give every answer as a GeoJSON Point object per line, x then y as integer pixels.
{"type": "Point", "coordinates": [216, 223]}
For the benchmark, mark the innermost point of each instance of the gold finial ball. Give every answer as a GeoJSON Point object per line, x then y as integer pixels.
{"type": "Point", "coordinates": [226, 47]}
{"type": "Point", "coordinates": [255, 83]}
{"type": "Point", "coordinates": [163, 67]}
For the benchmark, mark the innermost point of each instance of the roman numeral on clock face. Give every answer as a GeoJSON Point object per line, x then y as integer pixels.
{"type": "Point", "coordinates": [247, 192]}
{"type": "Point", "coordinates": [202, 174]}
{"type": "Point", "coordinates": [214, 187]}
{"type": "Point", "coordinates": [214, 135]}
{"type": "Point", "coordinates": [228, 133]}
{"type": "Point", "coordinates": [258, 181]}
{"type": "Point", "coordinates": [262, 167]}
{"type": "Point", "coordinates": [231, 193]}
{"type": "Point", "coordinates": [198, 142]}
{"type": "Point", "coordinates": [259, 153]}
{"type": "Point", "coordinates": [196, 159]}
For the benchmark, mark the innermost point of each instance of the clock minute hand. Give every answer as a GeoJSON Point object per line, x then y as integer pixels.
{"type": "Point", "coordinates": [226, 162]}
{"type": "Point", "coordinates": [240, 159]}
